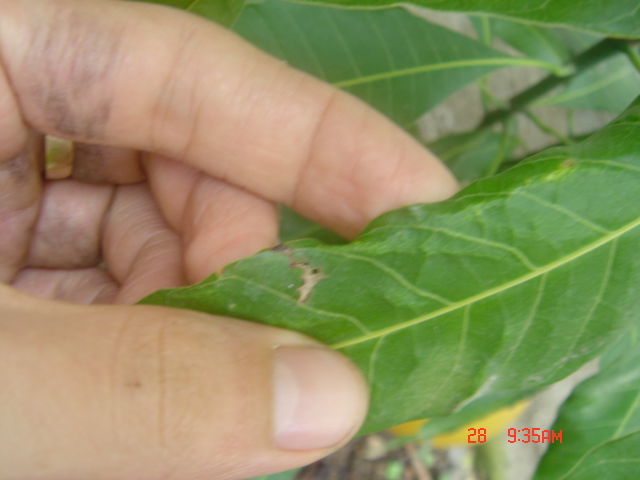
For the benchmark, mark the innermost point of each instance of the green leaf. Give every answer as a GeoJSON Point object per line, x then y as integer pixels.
{"type": "Point", "coordinates": [224, 12]}
{"type": "Point", "coordinates": [470, 155]}
{"type": "Point", "coordinates": [617, 18]}
{"type": "Point", "coordinates": [288, 475]}
{"type": "Point", "coordinates": [399, 63]}
{"type": "Point", "coordinates": [600, 422]}
{"type": "Point", "coordinates": [533, 41]}
{"type": "Point", "coordinates": [611, 86]}
{"type": "Point", "coordinates": [576, 41]}
{"type": "Point", "coordinates": [617, 459]}
{"type": "Point", "coordinates": [511, 285]}
{"type": "Point", "coordinates": [475, 410]}
{"type": "Point", "coordinates": [294, 226]}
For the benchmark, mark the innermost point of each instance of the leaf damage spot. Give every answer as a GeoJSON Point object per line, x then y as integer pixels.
{"type": "Point", "coordinates": [310, 275]}
{"type": "Point", "coordinates": [564, 168]}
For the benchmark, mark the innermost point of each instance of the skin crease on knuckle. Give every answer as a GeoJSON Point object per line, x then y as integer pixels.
{"type": "Point", "coordinates": [180, 373]}
{"type": "Point", "coordinates": [79, 56]}
{"type": "Point", "coordinates": [159, 394]}
{"type": "Point", "coordinates": [19, 193]}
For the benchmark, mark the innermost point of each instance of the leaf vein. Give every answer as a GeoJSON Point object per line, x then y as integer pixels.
{"type": "Point", "coordinates": [529, 321]}
{"type": "Point", "coordinates": [393, 274]}
{"type": "Point", "coordinates": [493, 291]}
{"type": "Point", "coordinates": [597, 301]}
{"type": "Point", "coordinates": [481, 241]}
{"type": "Point", "coordinates": [463, 338]}
{"type": "Point", "coordinates": [481, 62]}
{"type": "Point", "coordinates": [354, 321]}
{"type": "Point", "coordinates": [565, 211]}
{"type": "Point", "coordinates": [372, 361]}
{"type": "Point", "coordinates": [627, 416]}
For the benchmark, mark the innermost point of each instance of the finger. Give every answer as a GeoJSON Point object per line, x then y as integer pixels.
{"type": "Point", "coordinates": [67, 233]}
{"type": "Point", "coordinates": [126, 392]}
{"type": "Point", "coordinates": [100, 164]}
{"type": "Point", "coordinates": [218, 222]}
{"type": "Point", "coordinates": [140, 76]}
{"type": "Point", "coordinates": [84, 286]}
{"type": "Point", "coordinates": [14, 134]}
{"type": "Point", "coordinates": [20, 185]}
{"type": "Point", "coordinates": [140, 250]}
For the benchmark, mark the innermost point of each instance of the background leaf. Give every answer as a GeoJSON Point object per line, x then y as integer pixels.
{"type": "Point", "coordinates": [469, 155]}
{"type": "Point", "coordinates": [511, 285]}
{"type": "Point", "coordinates": [610, 86]}
{"type": "Point", "coordinates": [475, 410]}
{"type": "Point", "coordinates": [224, 12]}
{"type": "Point", "coordinates": [533, 41]}
{"type": "Point", "coordinates": [614, 18]}
{"type": "Point", "coordinates": [600, 422]}
{"type": "Point", "coordinates": [294, 226]}
{"type": "Point", "coordinates": [395, 61]}
{"type": "Point", "coordinates": [288, 475]}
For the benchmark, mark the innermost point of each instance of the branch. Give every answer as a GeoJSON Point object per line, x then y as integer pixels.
{"type": "Point", "coordinates": [591, 57]}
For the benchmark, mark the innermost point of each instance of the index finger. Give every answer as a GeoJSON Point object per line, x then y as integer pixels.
{"type": "Point", "coordinates": [156, 79]}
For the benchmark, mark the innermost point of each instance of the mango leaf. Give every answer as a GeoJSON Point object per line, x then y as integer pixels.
{"type": "Point", "coordinates": [469, 155]}
{"type": "Point", "coordinates": [533, 41]}
{"type": "Point", "coordinates": [288, 475]}
{"type": "Point", "coordinates": [554, 45]}
{"type": "Point", "coordinates": [600, 422]}
{"type": "Point", "coordinates": [397, 62]}
{"type": "Point", "coordinates": [511, 285]}
{"type": "Point", "coordinates": [610, 86]}
{"type": "Point", "coordinates": [618, 18]}
{"type": "Point", "coordinates": [577, 41]}
{"type": "Point", "coordinates": [224, 12]}
{"type": "Point", "coordinates": [476, 410]}
{"type": "Point", "coordinates": [616, 459]}
{"type": "Point", "coordinates": [294, 226]}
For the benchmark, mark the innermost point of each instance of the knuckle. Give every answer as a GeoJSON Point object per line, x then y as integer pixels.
{"type": "Point", "coordinates": [143, 385]}
{"type": "Point", "coordinates": [163, 371]}
{"type": "Point", "coordinates": [177, 102]}
{"type": "Point", "coordinates": [76, 52]}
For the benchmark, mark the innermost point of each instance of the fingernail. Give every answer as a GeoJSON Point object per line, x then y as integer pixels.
{"type": "Point", "coordinates": [319, 398]}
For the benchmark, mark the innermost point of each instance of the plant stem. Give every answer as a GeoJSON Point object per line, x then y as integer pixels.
{"type": "Point", "coordinates": [633, 55]}
{"type": "Point", "coordinates": [570, 127]}
{"type": "Point", "coordinates": [505, 141]}
{"type": "Point", "coordinates": [483, 83]}
{"type": "Point", "coordinates": [487, 35]}
{"type": "Point", "coordinates": [548, 129]}
{"type": "Point", "coordinates": [593, 56]}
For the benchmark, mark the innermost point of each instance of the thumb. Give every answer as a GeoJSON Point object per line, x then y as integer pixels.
{"type": "Point", "coordinates": [122, 392]}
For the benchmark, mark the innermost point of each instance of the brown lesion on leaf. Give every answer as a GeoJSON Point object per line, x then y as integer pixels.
{"type": "Point", "coordinates": [281, 248]}
{"type": "Point", "coordinates": [310, 275]}
{"type": "Point", "coordinates": [569, 163]}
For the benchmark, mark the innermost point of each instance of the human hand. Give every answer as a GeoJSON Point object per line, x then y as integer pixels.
{"type": "Point", "coordinates": [121, 391]}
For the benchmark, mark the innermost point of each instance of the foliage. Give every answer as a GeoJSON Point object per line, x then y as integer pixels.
{"type": "Point", "coordinates": [602, 418]}
{"type": "Point", "coordinates": [224, 12]}
{"type": "Point", "coordinates": [454, 309]}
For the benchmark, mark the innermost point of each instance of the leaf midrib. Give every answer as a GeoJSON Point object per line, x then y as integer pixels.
{"type": "Point", "coordinates": [592, 450]}
{"type": "Point", "coordinates": [191, 5]}
{"type": "Point", "coordinates": [480, 62]}
{"type": "Point", "coordinates": [493, 291]}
